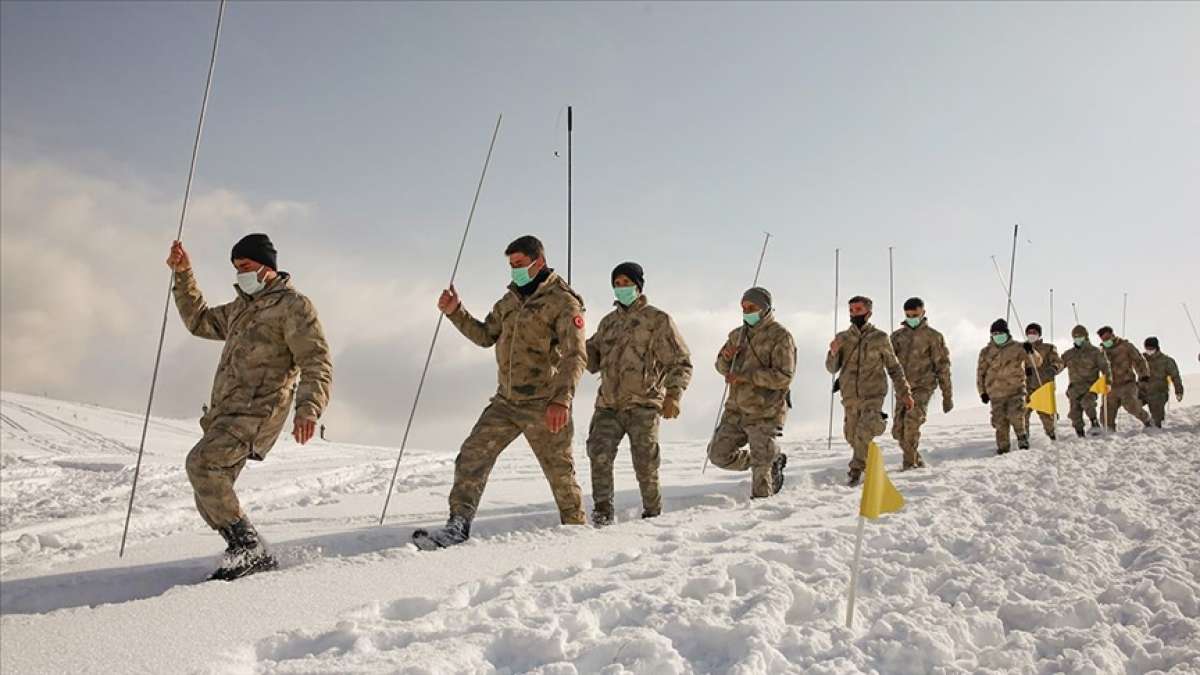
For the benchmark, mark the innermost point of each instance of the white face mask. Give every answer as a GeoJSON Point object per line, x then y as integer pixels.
{"type": "Point", "coordinates": [249, 283]}
{"type": "Point", "coordinates": [1033, 337]}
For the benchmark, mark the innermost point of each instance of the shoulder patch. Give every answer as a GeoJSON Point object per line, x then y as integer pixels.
{"type": "Point", "coordinates": [579, 321]}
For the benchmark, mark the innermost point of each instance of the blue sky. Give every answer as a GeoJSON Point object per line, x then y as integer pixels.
{"type": "Point", "coordinates": [354, 133]}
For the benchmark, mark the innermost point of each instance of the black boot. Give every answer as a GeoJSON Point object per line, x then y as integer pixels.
{"type": "Point", "coordinates": [456, 531]}
{"type": "Point", "coordinates": [647, 515]}
{"type": "Point", "coordinates": [1052, 435]}
{"type": "Point", "coordinates": [1079, 432]}
{"type": "Point", "coordinates": [245, 555]}
{"type": "Point", "coordinates": [602, 516]}
{"type": "Point", "coordinates": [1022, 442]}
{"type": "Point", "coordinates": [854, 477]}
{"type": "Point", "coordinates": [777, 473]}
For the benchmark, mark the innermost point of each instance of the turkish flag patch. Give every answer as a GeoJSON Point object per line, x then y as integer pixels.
{"type": "Point", "coordinates": [579, 321]}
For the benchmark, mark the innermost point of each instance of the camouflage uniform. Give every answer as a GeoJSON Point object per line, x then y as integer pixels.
{"type": "Point", "coordinates": [1157, 390]}
{"type": "Point", "coordinates": [271, 340]}
{"type": "Point", "coordinates": [540, 352]}
{"type": "Point", "coordinates": [1084, 366]}
{"type": "Point", "coordinates": [863, 362]}
{"type": "Point", "coordinates": [757, 407]}
{"type": "Point", "coordinates": [923, 354]}
{"type": "Point", "coordinates": [642, 359]}
{"type": "Point", "coordinates": [1001, 375]}
{"type": "Point", "coordinates": [1128, 366]}
{"type": "Point", "coordinates": [1052, 365]}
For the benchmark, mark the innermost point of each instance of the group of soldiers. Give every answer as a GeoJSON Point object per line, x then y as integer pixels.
{"type": "Point", "coordinates": [276, 358]}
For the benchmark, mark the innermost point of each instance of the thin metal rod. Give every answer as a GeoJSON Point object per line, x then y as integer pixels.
{"type": "Point", "coordinates": [837, 261]}
{"type": "Point", "coordinates": [1004, 284]}
{"type": "Point", "coordinates": [891, 317]}
{"type": "Point", "coordinates": [1124, 313]}
{"type": "Point", "coordinates": [733, 364]}
{"type": "Point", "coordinates": [438, 327]}
{"type": "Point", "coordinates": [1012, 270]}
{"type": "Point", "coordinates": [1075, 311]}
{"type": "Point", "coordinates": [853, 593]}
{"type": "Point", "coordinates": [1189, 317]}
{"type": "Point", "coordinates": [162, 331]}
{"type": "Point", "coordinates": [570, 170]}
{"type": "Point", "coordinates": [1051, 316]}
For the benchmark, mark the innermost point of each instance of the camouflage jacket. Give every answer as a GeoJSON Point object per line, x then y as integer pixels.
{"type": "Point", "coordinates": [640, 355]}
{"type": "Point", "coordinates": [767, 362]}
{"type": "Point", "coordinates": [1001, 371]}
{"type": "Point", "coordinates": [863, 362]}
{"type": "Point", "coordinates": [1161, 367]}
{"type": "Point", "coordinates": [1084, 366]}
{"type": "Point", "coordinates": [271, 339]}
{"type": "Point", "coordinates": [1128, 364]}
{"type": "Point", "coordinates": [1051, 366]}
{"type": "Point", "coordinates": [923, 354]}
{"type": "Point", "coordinates": [539, 340]}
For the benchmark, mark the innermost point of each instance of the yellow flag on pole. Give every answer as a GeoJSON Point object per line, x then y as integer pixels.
{"type": "Point", "coordinates": [1101, 386]}
{"type": "Point", "coordinates": [879, 496]}
{"type": "Point", "coordinates": [1042, 399]}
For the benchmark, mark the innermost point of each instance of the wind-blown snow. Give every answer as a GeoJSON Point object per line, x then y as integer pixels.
{"type": "Point", "coordinates": [1081, 557]}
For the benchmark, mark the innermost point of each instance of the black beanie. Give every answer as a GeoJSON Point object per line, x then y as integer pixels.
{"type": "Point", "coordinates": [1000, 326]}
{"type": "Point", "coordinates": [256, 247]}
{"type": "Point", "coordinates": [1034, 328]}
{"type": "Point", "coordinates": [1152, 343]}
{"type": "Point", "coordinates": [631, 270]}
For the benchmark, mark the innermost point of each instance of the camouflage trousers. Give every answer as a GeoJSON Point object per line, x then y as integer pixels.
{"type": "Point", "coordinates": [862, 423]}
{"type": "Point", "coordinates": [906, 424]}
{"type": "Point", "coordinates": [1009, 412]}
{"type": "Point", "coordinates": [607, 429]}
{"type": "Point", "coordinates": [1082, 401]}
{"type": "Point", "coordinates": [499, 425]}
{"type": "Point", "coordinates": [1157, 403]}
{"type": "Point", "coordinates": [1125, 396]}
{"type": "Point", "coordinates": [727, 449]}
{"type": "Point", "coordinates": [1047, 420]}
{"type": "Point", "coordinates": [213, 467]}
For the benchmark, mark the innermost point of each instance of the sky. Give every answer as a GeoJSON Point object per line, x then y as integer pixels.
{"type": "Point", "coordinates": [354, 134]}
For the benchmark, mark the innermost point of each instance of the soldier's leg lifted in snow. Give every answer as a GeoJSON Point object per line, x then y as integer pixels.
{"type": "Point", "coordinates": [762, 458]}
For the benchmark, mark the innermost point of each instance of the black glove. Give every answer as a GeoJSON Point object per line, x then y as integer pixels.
{"type": "Point", "coordinates": [985, 398]}
{"type": "Point", "coordinates": [1028, 371]}
{"type": "Point", "coordinates": [837, 385]}
{"type": "Point", "coordinates": [1028, 347]}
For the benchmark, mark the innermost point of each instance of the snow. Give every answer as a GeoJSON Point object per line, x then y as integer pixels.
{"type": "Point", "coordinates": [1081, 557]}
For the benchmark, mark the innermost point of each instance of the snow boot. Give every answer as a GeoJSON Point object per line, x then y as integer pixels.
{"type": "Point", "coordinates": [245, 555]}
{"type": "Point", "coordinates": [456, 531]}
{"type": "Point", "coordinates": [919, 464]}
{"type": "Point", "coordinates": [1095, 429]}
{"type": "Point", "coordinates": [1022, 442]}
{"type": "Point", "coordinates": [647, 515]}
{"type": "Point", "coordinates": [777, 473]}
{"type": "Point", "coordinates": [855, 478]}
{"type": "Point", "coordinates": [602, 517]}
{"type": "Point", "coordinates": [1003, 451]}
{"type": "Point", "coordinates": [1079, 432]}
{"type": "Point", "coordinates": [1052, 435]}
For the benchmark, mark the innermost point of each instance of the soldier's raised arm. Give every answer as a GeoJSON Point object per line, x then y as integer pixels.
{"type": "Point", "coordinates": [483, 333]}
{"type": "Point", "coordinates": [833, 359]}
{"type": "Point", "coordinates": [731, 348]}
{"type": "Point", "coordinates": [201, 320]}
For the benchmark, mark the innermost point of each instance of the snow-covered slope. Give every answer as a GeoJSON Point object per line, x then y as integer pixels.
{"type": "Point", "coordinates": [1082, 556]}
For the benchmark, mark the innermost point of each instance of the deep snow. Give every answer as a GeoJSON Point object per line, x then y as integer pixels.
{"type": "Point", "coordinates": [1080, 556]}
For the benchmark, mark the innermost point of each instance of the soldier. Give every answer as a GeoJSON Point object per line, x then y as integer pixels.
{"type": "Point", "coordinates": [537, 329]}
{"type": "Point", "coordinates": [1001, 381]}
{"type": "Point", "coordinates": [1128, 369]}
{"type": "Point", "coordinates": [1085, 363]}
{"type": "Point", "coordinates": [758, 362]}
{"type": "Point", "coordinates": [1052, 365]}
{"type": "Point", "coordinates": [644, 368]}
{"type": "Point", "coordinates": [860, 356]}
{"type": "Point", "coordinates": [922, 353]}
{"type": "Point", "coordinates": [272, 337]}
{"type": "Point", "coordinates": [1156, 392]}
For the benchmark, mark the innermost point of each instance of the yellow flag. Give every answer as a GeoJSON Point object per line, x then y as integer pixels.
{"type": "Point", "coordinates": [1042, 399]}
{"type": "Point", "coordinates": [879, 496]}
{"type": "Point", "coordinates": [1101, 386]}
